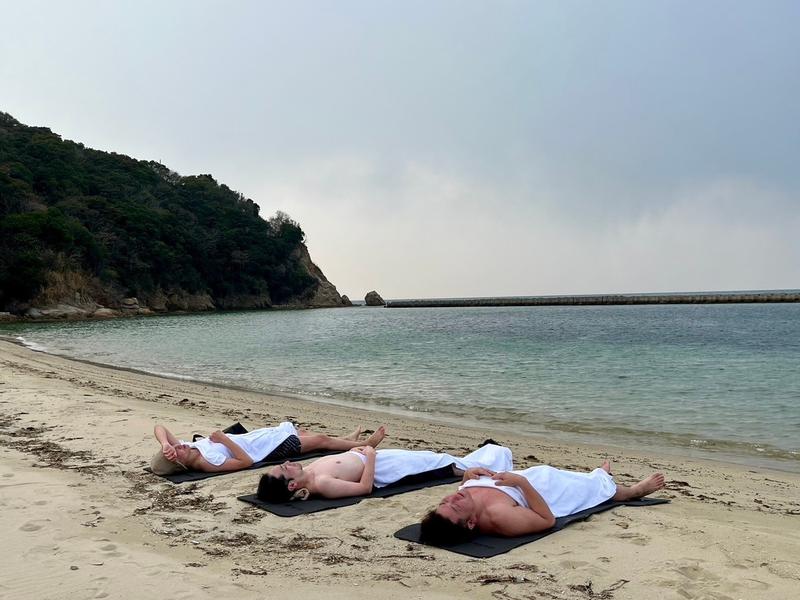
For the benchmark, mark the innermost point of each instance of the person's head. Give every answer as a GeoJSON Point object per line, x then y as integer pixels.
{"type": "Point", "coordinates": [283, 483]}
{"type": "Point", "coordinates": [161, 465]}
{"type": "Point", "coordinates": [452, 522]}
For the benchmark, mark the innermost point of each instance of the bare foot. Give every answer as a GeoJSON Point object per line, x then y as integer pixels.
{"type": "Point", "coordinates": [353, 437]}
{"type": "Point", "coordinates": [649, 485]}
{"type": "Point", "coordinates": [606, 466]}
{"type": "Point", "coordinates": [376, 437]}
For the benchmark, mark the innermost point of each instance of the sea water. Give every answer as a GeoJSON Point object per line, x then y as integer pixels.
{"type": "Point", "coordinates": [704, 380]}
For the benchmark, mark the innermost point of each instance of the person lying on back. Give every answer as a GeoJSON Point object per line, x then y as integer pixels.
{"type": "Point", "coordinates": [356, 472]}
{"type": "Point", "coordinates": [233, 452]}
{"type": "Point", "coordinates": [522, 502]}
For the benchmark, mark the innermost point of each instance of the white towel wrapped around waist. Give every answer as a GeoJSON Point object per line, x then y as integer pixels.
{"type": "Point", "coordinates": [392, 465]}
{"type": "Point", "coordinates": [565, 492]}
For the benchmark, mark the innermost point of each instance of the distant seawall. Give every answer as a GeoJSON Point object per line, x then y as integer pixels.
{"type": "Point", "coordinates": [604, 299]}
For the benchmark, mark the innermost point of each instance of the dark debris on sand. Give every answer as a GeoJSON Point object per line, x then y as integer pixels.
{"type": "Point", "coordinates": [52, 455]}
{"type": "Point", "coordinates": [181, 498]}
{"type": "Point", "coordinates": [236, 540]}
{"type": "Point", "coordinates": [606, 594]}
{"type": "Point", "coordinates": [248, 515]}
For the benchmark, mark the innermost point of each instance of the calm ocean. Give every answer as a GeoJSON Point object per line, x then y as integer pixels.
{"type": "Point", "coordinates": [702, 380]}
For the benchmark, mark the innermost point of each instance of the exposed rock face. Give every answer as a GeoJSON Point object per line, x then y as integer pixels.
{"type": "Point", "coordinates": [180, 300]}
{"type": "Point", "coordinates": [129, 304]}
{"type": "Point", "coordinates": [173, 299]}
{"type": "Point", "coordinates": [59, 311]}
{"type": "Point", "coordinates": [244, 301]}
{"type": "Point", "coordinates": [346, 301]}
{"type": "Point", "coordinates": [325, 295]}
{"type": "Point", "coordinates": [157, 301]}
{"type": "Point", "coordinates": [373, 298]}
{"type": "Point", "coordinates": [78, 296]}
{"type": "Point", "coordinates": [5, 316]}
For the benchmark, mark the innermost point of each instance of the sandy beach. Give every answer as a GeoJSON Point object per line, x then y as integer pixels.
{"type": "Point", "coordinates": [82, 519]}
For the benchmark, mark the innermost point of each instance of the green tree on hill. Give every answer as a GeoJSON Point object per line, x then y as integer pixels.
{"type": "Point", "coordinates": [134, 227]}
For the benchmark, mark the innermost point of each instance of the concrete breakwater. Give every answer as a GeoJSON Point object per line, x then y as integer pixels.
{"type": "Point", "coordinates": [606, 299]}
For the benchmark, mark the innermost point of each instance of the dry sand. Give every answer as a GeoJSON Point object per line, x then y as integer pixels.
{"type": "Point", "coordinates": [81, 519]}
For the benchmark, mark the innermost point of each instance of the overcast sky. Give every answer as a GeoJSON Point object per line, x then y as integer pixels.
{"type": "Point", "coordinates": [440, 149]}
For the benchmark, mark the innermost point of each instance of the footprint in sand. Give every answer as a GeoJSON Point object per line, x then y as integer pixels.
{"type": "Point", "coordinates": [30, 526]}
{"type": "Point", "coordinates": [573, 564]}
{"type": "Point", "coordinates": [696, 573]}
{"type": "Point", "coordinates": [8, 474]}
{"type": "Point", "coordinates": [101, 583]}
{"type": "Point", "coordinates": [635, 538]}
{"type": "Point", "coordinates": [110, 551]}
{"type": "Point", "coordinates": [40, 503]}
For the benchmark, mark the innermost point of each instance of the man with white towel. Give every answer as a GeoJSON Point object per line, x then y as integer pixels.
{"type": "Point", "coordinates": [233, 452]}
{"type": "Point", "coordinates": [357, 471]}
{"type": "Point", "coordinates": [521, 502]}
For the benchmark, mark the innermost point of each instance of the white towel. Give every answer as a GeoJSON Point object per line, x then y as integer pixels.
{"type": "Point", "coordinates": [393, 465]}
{"type": "Point", "coordinates": [565, 492]}
{"type": "Point", "coordinates": [257, 444]}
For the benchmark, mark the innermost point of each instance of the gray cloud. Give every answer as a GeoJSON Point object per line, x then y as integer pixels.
{"type": "Point", "coordinates": [454, 148]}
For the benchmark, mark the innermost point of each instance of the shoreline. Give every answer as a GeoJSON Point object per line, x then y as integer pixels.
{"type": "Point", "coordinates": [75, 437]}
{"type": "Point", "coordinates": [560, 436]}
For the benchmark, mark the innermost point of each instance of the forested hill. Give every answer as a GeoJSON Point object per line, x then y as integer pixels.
{"type": "Point", "coordinates": [93, 229]}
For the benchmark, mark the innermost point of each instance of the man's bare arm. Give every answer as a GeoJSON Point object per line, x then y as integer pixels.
{"type": "Point", "coordinates": [512, 521]}
{"type": "Point", "coordinates": [164, 436]}
{"type": "Point", "coordinates": [368, 475]}
{"type": "Point", "coordinates": [167, 441]}
{"type": "Point", "coordinates": [330, 487]}
{"type": "Point", "coordinates": [532, 497]}
{"type": "Point", "coordinates": [241, 457]}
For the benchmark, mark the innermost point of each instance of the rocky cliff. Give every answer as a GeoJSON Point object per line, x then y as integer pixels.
{"type": "Point", "coordinates": [78, 296]}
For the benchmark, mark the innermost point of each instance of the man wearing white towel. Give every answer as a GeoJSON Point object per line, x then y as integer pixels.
{"type": "Point", "coordinates": [356, 472]}
{"type": "Point", "coordinates": [522, 502]}
{"type": "Point", "coordinates": [232, 452]}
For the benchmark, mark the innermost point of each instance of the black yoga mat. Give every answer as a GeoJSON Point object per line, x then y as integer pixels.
{"type": "Point", "coordinates": [486, 546]}
{"type": "Point", "coordinates": [304, 507]}
{"type": "Point", "coordinates": [236, 428]}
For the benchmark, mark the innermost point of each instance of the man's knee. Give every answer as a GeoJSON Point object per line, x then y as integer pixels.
{"type": "Point", "coordinates": [315, 441]}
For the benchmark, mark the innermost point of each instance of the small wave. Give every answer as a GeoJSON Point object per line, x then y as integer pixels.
{"type": "Point", "coordinates": [32, 345]}
{"type": "Point", "coordinates": [171, 375]}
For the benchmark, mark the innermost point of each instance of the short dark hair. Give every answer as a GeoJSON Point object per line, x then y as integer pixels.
{"type": "Point", "coordinates": [438, 531]}
{"type": "Point", "coordinates": [274, 489]}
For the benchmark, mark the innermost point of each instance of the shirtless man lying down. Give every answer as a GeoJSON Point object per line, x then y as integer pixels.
{"type": "Point", "coordinates": [521, 502]}
{"type": "Point", "coordinates": [356, 472]}
{"type": "Point", "coordinates": [232, 452]}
